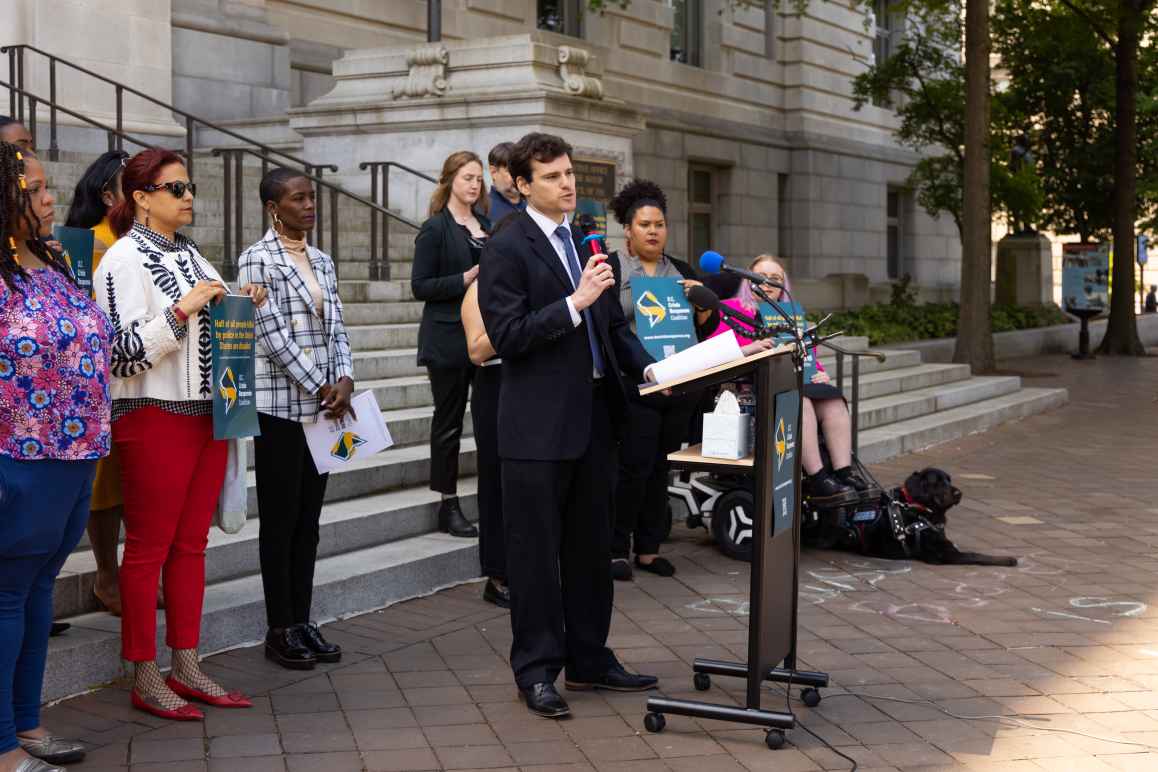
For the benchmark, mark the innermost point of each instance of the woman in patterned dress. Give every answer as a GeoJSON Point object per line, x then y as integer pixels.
{"type": "Point", "coordinates": [156, 288]}
{"type": "Point", "coordinates": [54, 425]}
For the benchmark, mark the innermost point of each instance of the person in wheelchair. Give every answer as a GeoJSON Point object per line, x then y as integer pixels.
{"type": "Point", "coordinates": [824, 408]}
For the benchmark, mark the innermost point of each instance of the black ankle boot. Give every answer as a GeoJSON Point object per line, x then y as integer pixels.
{"type": "Point", "coordinates": [284, 645]}
{"type": "Point", "coordinates": [451, 520]}
{"type": "Point", "coordinates": [850, 477]}
{"type": "Point", "coordinates": [323, 650]}
{"type": "Point", "coordinates": [823, 486]}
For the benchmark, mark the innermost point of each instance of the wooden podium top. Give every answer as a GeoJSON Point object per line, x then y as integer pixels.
{"type": "Point", "coordinates": [656, 388]}
{"type": "Point", "coordinates": [691, 458]}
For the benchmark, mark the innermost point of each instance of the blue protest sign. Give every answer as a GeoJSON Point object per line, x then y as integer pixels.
{"type": "Point", "coordinates": [797, 313]}
{"type": "Point", "coordinates": [1143, 247]}
{"type": "Point", "coordinates": [234, 402]}
{"type": "Point", "coordinates": [663, 315]}
{"type": "Point", "coordinates": [78, 249]}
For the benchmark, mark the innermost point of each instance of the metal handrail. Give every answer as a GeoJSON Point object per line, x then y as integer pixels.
{"type": "Point", "coordinates": [854, 403]}
{"type": "Point", "coordinates": [16, 75]}
{"type": "Point", "coordinates": [381, 169]}
{"type": "Point", "coordinates": [113, 134]}
{"type": "Point", "coordinates": [379, 264]}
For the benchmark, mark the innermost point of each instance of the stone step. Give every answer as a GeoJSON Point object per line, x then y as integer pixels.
{"type": "Point", "coordinates": [397, 312]}
{"type": "Point", "coordinates": [346, 526]}
{"type": "Point", "coordinates": [885, 442]}
{"type": "Point", "coordinates": [907, 378]}
{"type": "Point", "coordinates": [386, 363]}
{"type": "Point", "coordinates": [904, 405]}
{"type": "Point", "coordinates": [234, 611]}
{"type": "Point", "coordinates": [407, 426]}
{"type": "Point", "coordinates": [397, 393]}
{"type": "Point", "coordinates": [382, 336]}
{"type": "Point", "coordinates": [375, 291]}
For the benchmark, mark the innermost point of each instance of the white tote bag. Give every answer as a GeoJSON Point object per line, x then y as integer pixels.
{"type": "Point", "coordinates": [233, 504]}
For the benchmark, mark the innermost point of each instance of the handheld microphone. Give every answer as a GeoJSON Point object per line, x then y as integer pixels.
{"type": "Point", "coordinates": [591, 235]}
{"type": "Point", "coordinates": [713, 262]}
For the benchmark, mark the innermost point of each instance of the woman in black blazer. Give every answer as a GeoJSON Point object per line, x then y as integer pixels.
{"type": "Point", "coordinates": [446, 256]}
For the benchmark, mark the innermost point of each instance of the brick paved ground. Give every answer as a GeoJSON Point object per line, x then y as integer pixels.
{"type": "Point", "coordinates": [1068, 640]}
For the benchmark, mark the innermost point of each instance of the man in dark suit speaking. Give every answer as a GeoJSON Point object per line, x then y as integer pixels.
{"type": "Point", "coordinates": [564, 340]}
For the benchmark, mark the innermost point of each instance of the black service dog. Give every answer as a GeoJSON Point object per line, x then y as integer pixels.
{"type": "Point", "coordinates": [923, 501]}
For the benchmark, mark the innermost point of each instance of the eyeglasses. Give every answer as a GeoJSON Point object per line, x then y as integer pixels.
{"type": "Point", "coordinates": [176, 188]}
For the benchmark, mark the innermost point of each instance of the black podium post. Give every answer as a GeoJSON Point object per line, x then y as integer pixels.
{"type": "Point", "coordinates": [776, 546]}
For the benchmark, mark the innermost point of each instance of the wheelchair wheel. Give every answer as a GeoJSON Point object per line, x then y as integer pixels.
{"type": "Point", "coordinates": [732, 523]}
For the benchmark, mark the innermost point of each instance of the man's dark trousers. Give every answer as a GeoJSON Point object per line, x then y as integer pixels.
{"type": "Point", "coordinates": [558, 527]}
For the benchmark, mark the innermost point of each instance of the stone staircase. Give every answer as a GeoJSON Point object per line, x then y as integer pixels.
{"type": "Point", "coordinates": [378, 538]}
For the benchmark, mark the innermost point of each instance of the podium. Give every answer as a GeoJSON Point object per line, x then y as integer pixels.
{"type": "Point", "coordinates": [775, 540]}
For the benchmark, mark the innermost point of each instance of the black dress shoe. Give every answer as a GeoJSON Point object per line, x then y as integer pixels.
{"type": "Point", "coordinates": [615, 679]}
{"type": "Point", "coordinates": [323, 650]}
{"type": "Point", "coordinates": [851, 478]}
{"type": "Point", "coordinates": [620, 570]}
{"type": "Point", "coordinates": [451, 520]}
{"type": "Point", "coordinates": [58, 628]}
{"type": "Point", "coordinates": [286, 647]}
{"type": "Point", "coordinates": [543, 700]}
{"type": "Point", "coordinates": [498, 594]}
{"type": "Point", "coordinates": [824, 487]}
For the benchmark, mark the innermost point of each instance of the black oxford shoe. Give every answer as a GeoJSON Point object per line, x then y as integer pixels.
{"type": "Point", "coordinates": [615, 679]}
{"type": "Point", "coordinates": [498, 594]}
{"type": "Point", "coordinates": [451, 520]}
{"type": "Point", "coordinates": [543, 700]}
{"type": "Point", "coordinates": [286, 647]}
{"type": "Point", "coordinates": [323, 650]}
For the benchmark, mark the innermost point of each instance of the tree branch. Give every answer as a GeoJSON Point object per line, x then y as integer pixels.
{"type": "Point", "coordinates": [1093, 24]}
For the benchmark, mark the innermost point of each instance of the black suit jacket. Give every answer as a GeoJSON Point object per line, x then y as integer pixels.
{"type": "Point", "coordinates": [546, 400]}
{"type": "Point", "coordinates": [441, 257]}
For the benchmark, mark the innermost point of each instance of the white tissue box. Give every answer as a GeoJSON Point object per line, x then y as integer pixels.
{"type": "Point", "coordinates": [726, 436]}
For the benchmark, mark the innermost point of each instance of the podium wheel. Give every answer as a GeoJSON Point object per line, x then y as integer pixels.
{"type": "Point", "coordinates": [774, 739]}
{"type": "Point", "coordinates": [810, 697]}
{"type": "Point", "coordinates": [654, 722]}
{"type": "Point", "coordinates": [702, 682]}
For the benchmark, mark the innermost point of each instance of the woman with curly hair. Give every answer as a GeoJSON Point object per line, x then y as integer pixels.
{"type": "Point", "coordinates": [653, 429]}
{"type": "Point", "coordinates": [54, 425]}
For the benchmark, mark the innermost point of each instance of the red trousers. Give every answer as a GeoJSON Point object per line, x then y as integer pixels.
{"type": "Point", "coordinates": [171, 475]}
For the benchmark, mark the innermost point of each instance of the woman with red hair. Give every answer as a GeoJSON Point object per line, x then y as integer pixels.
{"type": "Point", "coordinates": [156, 288]}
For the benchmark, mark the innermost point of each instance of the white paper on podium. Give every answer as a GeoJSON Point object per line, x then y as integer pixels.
{"type": "Point", "coordinates": [711, 353]}
{"type": "Point", "coordinates": [334, 443]}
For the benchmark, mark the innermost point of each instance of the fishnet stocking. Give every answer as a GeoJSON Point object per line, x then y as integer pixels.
{"type": "Point", "coordinates": [150, 684]}
{"type": "Point", "coordinates": [187, 670]}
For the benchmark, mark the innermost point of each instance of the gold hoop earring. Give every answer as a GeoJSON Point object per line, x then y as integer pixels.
{"type": "Point", "coordinates": [276, 220]}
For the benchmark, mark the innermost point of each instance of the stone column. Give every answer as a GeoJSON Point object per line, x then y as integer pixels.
{"type": "Point", "coordinates": [129, 41]}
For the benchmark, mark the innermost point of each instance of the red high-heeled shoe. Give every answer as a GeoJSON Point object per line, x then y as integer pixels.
{"type": "Point", "coordinates": [183, 713]}
{"type": "Point", "coordinates": [231, 700]}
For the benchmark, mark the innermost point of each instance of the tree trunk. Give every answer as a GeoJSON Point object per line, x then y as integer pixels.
{"type": "Point", "coordinates": [974, 327]}
{"type": "Point", "coordinates": [1122, 331]}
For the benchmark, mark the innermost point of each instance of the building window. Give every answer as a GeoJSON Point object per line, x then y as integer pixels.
{"type": "Point", "coordinates": [889, 25]}
{"type": "Point", "coordinates": [701, 188]}
{"type": "Point", "coordinates": [783, 218]}
{"type": "Point", "coordinates": [687, 32]}
{"type": "Point", "coordinates": [894, 229]}
{"type": "Point", "coordinates": [562, 16]}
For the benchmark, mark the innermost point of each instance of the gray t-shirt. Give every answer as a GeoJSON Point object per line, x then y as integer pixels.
{"type": "Point", "coordinates": [630, 266]}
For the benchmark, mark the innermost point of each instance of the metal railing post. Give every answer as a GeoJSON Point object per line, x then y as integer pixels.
{"type": "Point", "coordinates": [20, 85]}
{"type": "Point", "coordinates": [53, 146]}
{"type": "Point", "coordinates": [32, 118]}
{"type": "Point", "coordinates": [120, 116]}
{"type": "Point", "coordinates": [335, 250]}
{"type": "Point", "coordinates": [384, 273]}
{"type": "Point", "coordinates": [227, 210]}
{"type": "Point", "coordinates": [239, 210]}
{"type": "Point", "coordinates": [855, 406]}
{"type": "Point", "coordinates": [264, 213]}
{"type": "Point", "coordinates": [189, 155]}
{"type": "Point", "coordinates": [12, 80]}
{"type": "Point", "coordinates": [374, 267]}
{"type": "Point", "coordinates": [320, 223]}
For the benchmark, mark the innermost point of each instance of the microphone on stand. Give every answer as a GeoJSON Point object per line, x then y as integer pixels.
{"type": "Point", "coordinates": [703, 297]}
{"type": "Point", "coordinates": [713, 262]}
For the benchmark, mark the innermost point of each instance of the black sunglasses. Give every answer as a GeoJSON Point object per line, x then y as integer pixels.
{"type": "Point", "coordinates": [176, 188]}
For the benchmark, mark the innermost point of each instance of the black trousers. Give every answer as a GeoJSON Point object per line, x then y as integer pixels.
{"type": "Point", "coordinates": [558, 526]}
{"type": "Point", "coordinates": [451, 387]}
{"type": "Point", "coordinates": [653, 430]}
{"type": "Point", "coordinates": [289, 495]}
{"type": "Point", "coordinates": [484, 411]}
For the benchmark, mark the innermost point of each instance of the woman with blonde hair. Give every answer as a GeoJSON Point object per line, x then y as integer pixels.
{"type": "Point", "coordinates": [446, 257]}
{"type": "Point", "coordinates": [824, 408]}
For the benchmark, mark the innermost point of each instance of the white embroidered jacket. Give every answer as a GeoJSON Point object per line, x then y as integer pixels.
{"type": "Point", "coordinates": [154, 356]}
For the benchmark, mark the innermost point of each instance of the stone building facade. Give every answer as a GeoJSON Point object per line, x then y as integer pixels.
{"type": "Point", "coordinates": [741, 109]}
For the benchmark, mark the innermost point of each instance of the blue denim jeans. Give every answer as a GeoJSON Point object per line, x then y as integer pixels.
{"type": "Point", "coordinates": [43, 510]}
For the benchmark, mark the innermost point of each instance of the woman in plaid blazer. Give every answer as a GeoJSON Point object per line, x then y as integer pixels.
{"type": "Point", "coordinates": [304, 367]}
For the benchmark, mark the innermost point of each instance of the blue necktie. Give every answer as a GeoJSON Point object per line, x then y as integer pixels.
{"type": "Point", "coordinates": [564, 234]}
